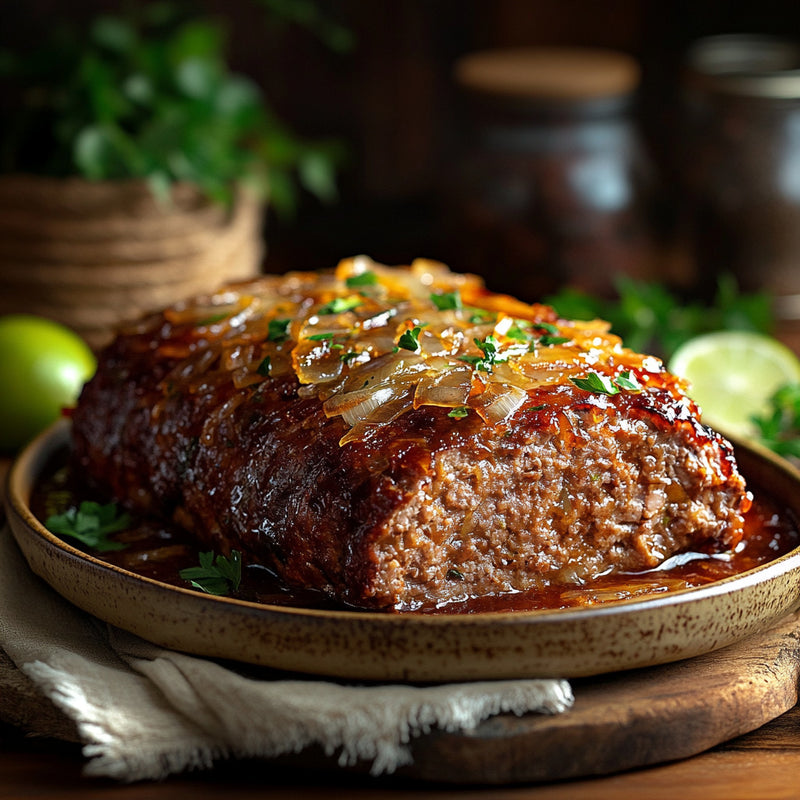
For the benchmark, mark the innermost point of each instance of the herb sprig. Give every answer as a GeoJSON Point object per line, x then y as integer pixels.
{"type": "Point", "coordinates": [91, 524]}
{"type": "Point", "coordinates": [605, 384]}
{"type": "Point", "coordinates": [446, 301]}
{"type": "Point", "coordinates": [215, 575]}
{"type": "Point", "coordinates": [340, 304]}
{"type": "Point", "coordinates": [409, 340]}
{"type": "Point", "coordinates": [490, 348]}
{"type": "Point", "coordinates": [366, 278]}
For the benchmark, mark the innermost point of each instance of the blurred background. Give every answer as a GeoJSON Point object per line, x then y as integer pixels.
{"type": "Point", "coordinates": [635, 160]}
{"type": "Point", "coordinates": [376, 82]}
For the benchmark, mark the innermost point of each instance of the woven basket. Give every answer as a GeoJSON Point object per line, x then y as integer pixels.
{"type": "Point", "coordinates": [95, 255]}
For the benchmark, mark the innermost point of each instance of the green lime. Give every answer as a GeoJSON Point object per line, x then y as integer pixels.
{"type": "Point", "coordinates": [733, 374]}
{"type": "Point", "coordinates": [43, 366]}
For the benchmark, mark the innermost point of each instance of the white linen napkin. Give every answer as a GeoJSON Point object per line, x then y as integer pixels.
{"type": "Point", "coordinates": [143, 712]}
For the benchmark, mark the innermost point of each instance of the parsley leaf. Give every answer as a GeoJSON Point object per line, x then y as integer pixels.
{"type": "Point", "coordinates": [519, 333]}
{"type": "Point", "coordinates": [490, 348]}
{"type": "Point", "coordinates": [264, 367]}
{"type": "Point", "coordinates": [459, 413]}
{"type": "Point", "coordinates": [547, 327]}
{"type": "Point", "coordinates": [91, 524]}
{"type": "Point", "coordinates": [594, 382]}
{"type": "Point", "coordinates": [478, 316]}
{"type": "Point", "coordinates": [627, 380]}
{"type": "Point", "coordinates": [551, 340]}
{"type": "Point", "coordinates": [278, 330]}
{"type": "Point", "coordinates": [218, 576]}
{"type": "Point", "coordinates": [340, 304]}
{"type": "Point", "coordinates": [447, 300]}
{"type": "Point", "coordinates": [366, 278]}
{"type": "Point", "coordinates": [410, 339]}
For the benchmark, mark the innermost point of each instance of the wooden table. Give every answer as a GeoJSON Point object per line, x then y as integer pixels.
{"type": "Point", "coordinates": [764, 765]}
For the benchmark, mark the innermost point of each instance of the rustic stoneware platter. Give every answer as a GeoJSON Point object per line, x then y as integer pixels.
{"type": "Point", "coordinates": [373, 646]}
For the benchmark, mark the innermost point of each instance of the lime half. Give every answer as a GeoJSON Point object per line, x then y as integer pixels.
{"type": "Point", "coordinates": [732, 376]}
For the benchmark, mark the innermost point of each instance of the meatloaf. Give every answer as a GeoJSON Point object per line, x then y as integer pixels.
{"type": "Point", "coordinates": [402, 438]}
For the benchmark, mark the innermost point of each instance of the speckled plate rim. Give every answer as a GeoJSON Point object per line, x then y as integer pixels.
{"type": "Point", "coordinates": [375, 646]}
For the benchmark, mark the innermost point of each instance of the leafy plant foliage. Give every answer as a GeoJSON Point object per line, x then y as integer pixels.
{"type": "Point", "coordinates": [150, 96]}
{"type": "Point", "coordinates": [779, 427]}
{"type": "Point", "coordinates": [651, 318]}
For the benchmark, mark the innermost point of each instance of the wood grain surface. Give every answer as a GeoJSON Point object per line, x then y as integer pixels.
{"type": "Point", "coordinates": [631, 719]}
{"type": "Point", "coordinates": [763, 765]}
{"type": "Point", "coordinates": [619, 722]}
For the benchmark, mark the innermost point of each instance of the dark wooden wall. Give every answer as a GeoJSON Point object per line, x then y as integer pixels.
{"type": "Point", "coordinates": [392, 101]}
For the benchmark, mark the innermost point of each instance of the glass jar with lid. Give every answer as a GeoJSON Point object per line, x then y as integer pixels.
{"type": "Point", "coordinates": [741, 160]}
{"type": "Point", "coordinates": [554, 184]}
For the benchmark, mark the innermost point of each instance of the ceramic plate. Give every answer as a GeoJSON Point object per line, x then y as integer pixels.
{"type": "Point", "coordinates": [364, 645]}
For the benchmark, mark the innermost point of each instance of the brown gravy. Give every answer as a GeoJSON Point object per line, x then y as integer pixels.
{"type": "Point", "coordinates": [158, 551]}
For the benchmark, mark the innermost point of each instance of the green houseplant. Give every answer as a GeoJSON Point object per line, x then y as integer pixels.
{"type": "Point", "coordinates": [134, 165]}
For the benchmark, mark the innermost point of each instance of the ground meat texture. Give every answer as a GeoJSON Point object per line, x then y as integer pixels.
{"type": "Point", "coordinates": [430, 509]}
{"type": "Point", "coordinates": [422, 510]}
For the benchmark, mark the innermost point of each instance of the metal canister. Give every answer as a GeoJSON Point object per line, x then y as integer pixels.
{"type": "Point", "coordinates": [741, 164]}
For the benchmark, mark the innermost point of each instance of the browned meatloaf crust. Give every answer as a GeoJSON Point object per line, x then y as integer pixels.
{"type": "Point", "coordinates": [390, 472]}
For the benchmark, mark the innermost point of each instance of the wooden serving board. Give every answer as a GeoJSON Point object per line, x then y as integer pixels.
{"type": "Point", "coordinates": [619, 721]}
{"type": "Point", "coordinates": [630, 719]}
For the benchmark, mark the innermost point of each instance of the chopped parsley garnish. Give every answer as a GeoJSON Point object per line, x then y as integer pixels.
{"type": "Point", "coordinates": [459, 413]}
{"type": "Point", "coordinates": [349, 356]}
{"type": "Point", "coordinates": [627, 381]}
{"type": "Point", "coordinates": [219, 576]}
{"type": "Point", "coordinates": [340, 304]}
{"type": "Point", "coordinates": [91, 524]}
{"type": "Point", "coordinates": [278, 330]}
{"type": "Point", "coordinates": [264, 367]}
{"type": "Point", "coordinates": [321, 337]}
{"type": "Point", "coordinates": [594, 382]}
{"type": "Point", "coordinates": [490, 348]}
{"type": "Point", "coordinates": [367, 278]}
{"type": "Point", "coordinates": [477, 316]}
{"type": "Point", "coordinates": [409, 340]}
{"type": "Point", "coordinates": [551, 340]}
{"type": "Point", "coordinates": [491, 354]}
{"type": "Point", "coordinates": [518, 332]}
{"type": "Point", "coordinates": [445, 301]}
{"type": "Point", "coordinates": [548, 334]}
{"type": "Point", "coordinates": [546, 327]}
{"type": "Point", "coordinates": [213, 319]}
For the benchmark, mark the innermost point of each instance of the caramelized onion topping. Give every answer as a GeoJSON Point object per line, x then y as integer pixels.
{"type": "Point", "coordinates": [373, 342]}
